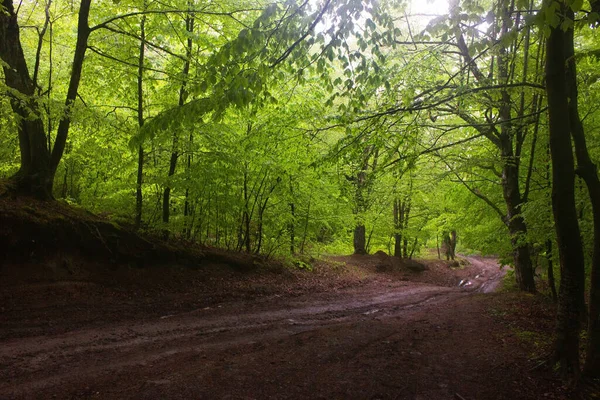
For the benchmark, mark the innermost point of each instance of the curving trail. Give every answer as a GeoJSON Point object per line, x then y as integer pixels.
{"type": "Point", "coordinates": [381, 340]}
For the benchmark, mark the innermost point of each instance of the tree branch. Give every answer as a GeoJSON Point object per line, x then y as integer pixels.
{"type": "Point", "coordinates": [149, 12]}
{"type": "Point", "coordinates": [312, 26]}
{"type": "Point", "coordinates": [475, 191]}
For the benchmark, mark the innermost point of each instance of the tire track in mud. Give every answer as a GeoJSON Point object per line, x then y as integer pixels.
{"type": "Point", "coordinates": [32, 365]}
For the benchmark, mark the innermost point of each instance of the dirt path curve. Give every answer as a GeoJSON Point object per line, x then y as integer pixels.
{"type": "Point", "coordinates": [382, 340]}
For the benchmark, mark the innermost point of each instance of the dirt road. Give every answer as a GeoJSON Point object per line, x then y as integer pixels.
{"type": "Point", "coordinates": [383, 340]}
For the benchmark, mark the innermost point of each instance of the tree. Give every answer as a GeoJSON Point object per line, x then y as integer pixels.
{"type": "Point", "coordinates": [561, 87]}
{"type": "Point", "coordinates": [38, 160]}
{"type": "Point", "coordinates": [506, 131]}
{"type": "Point", "coordinates": [570, 250]}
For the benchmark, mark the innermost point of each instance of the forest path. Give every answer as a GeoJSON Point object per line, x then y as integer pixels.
{"type": "Point", "coordinates": [397, 340]}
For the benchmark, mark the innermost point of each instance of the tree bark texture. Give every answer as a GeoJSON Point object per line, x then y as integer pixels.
{"type": "Point", "coordinates": [551, 281]}
{"type": "Point", "coordinates": [360, 239]}
{"type": "Point", "coordinates": [570, 249]}
{"type": "Point", "coordinates": [587, 170]}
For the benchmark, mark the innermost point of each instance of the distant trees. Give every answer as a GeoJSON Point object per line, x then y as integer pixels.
{"type": "Point", "coordinates": [449, 244]}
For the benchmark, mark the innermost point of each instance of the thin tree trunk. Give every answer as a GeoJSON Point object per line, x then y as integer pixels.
{"type": "Point", "coordinates": [140, 115]}
{"type": "Point", "coordinates": [397, 229]}
{"type": "Point", "coordinates": [261, 212]}
{"type": "Point", "coordinates": [551, 281]}
{"type": "Point", "coordinates": [406, 215]}
{"type": "Point", "coordinates": [305, 233]}
{"type": "Point", "coordinates": [510, 170]}
{"type": "Point", "coordinates": [414, 247]}
{"type": "Point", "coordinates": [359, 239]}
{"type": "Point", "coordinates": [187, 206]}
{"type": "Point", "coordinates": [246, 214]}
{"type": "Point", "coordinates": [183, 94]}
{"type": "Point", "coordinates": [292, 224]}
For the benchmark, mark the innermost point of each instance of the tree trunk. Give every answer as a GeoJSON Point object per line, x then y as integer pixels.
{"type": "Point", "coordinates": [292, 224]}
{"type": "Point", "coordinates": [588, 171]}
{"type": "Point", "coordinates": [360, 239]}
{"type": "Point", "coordinates": [397, 229]}
{"type": "Point", "coordinates": [246, 217]}
{"type": "Point", "coordinates": [305, 233]}
{"type": "Point", "coordinates": [508, 139]}
{"type": "Point", "coordinates": [183, 94]}
{"type": "Point", "coordinates": [510, 170]}
{"type": "Point", "coordinates": [570, 248]}
{"type": "Point", "coordinates": [166, 203]}
{"type": "Point", "coordinates": [187, 206]}
{"type": "Point", "coordinates": [551, 281]}
{"type": "Point", "coordinates": [140, 115]}
{"type": "Point", "coordinates": [453, 244]}
{"type": "Point", "coordinates": [414, 247]}
{"type": "Point", "coordinates": [83, 33]}
{"type": "Point", "coordinates": [138, 188]}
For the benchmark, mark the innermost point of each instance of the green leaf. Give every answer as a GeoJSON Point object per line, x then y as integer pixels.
{"type": "Point", "coordinates": [576, 5]}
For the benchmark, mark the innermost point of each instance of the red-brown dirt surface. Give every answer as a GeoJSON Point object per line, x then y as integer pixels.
{"type": "Point", "coordinates": [357, 327]}
{"type": "Point", "coordinates": [350, 333]}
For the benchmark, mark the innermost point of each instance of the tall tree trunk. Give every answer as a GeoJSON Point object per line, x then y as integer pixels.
{"type": "Point", "coordinates": [306, 220]}
{"type": "Point", "coordinates": [246, 216]}
{"type": "Point", "coordinates": [360, 233]}
{"type": "Point", "coordinates": [140, 116]}
{"type": "Point", "coordinates": [570, 248]}
{"type": "Point", "coordinates": [551, 281]}
{"type": "Point", "coordinates": [406, 215]}
{"type": "Point", "coordinates": [83, 33]}
{"type": "Point", "coordinates": [588, 171]}
{"type": "Point", "coordinates": [262, 207]}
{"type": "Point", "coordinates": [183, 94]}
{"type": "Point", "coordinates": [292, 224]}
{"type": "Point", "coordinates": [510, 169]}
{"type": "Point", "coordinates": [397, 229]}
{"type": "Point", "coordinates": [187, 207]}
{"type": "Point", "coordinates": [509, 138]}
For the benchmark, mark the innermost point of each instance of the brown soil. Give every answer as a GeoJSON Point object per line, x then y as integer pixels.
{"type": "Point", "coordinates": [357, 327]}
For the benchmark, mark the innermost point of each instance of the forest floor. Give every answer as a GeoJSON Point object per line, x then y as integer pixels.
{"type": "Point", "coordinates": [355, 332]}
{"type": "Point", "coordinates": [356, 327]}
